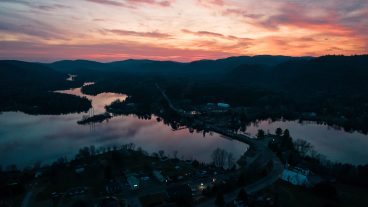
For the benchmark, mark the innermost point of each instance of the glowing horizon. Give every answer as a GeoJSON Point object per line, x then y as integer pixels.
{"type": "Point", "coordinates": [179, 30]}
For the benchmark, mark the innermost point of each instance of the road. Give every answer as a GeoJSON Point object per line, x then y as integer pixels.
{"type": "Point", "coordinates": [171, 105]}
{"type": "Point", "coordinates": [264, 155]}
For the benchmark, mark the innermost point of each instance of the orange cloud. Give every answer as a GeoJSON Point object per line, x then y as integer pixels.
{"type": "Point", "coordinates": [152, 29]}
{"type": "Point", "coordinates": [217, 35]}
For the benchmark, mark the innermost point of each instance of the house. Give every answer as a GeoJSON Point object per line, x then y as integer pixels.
{"type": "Point", "coordinates": [296, 176]}
{"type": "Point", "coordinates": [223, 105]}
{"type": "Point", "coordinates": [133, 182]}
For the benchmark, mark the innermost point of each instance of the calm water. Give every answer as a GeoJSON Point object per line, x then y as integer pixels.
{"type": "Point", "coordinates": [25, 139]}
{"type": "Point", "coordinates": [334, 144]}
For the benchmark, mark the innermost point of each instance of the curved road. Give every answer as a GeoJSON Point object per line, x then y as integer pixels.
{"type": "Point", "coordinates": [264, 155]}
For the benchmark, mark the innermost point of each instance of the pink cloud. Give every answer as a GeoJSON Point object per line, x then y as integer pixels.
{"type": "Point", "coordinates": [212, 2]}
{"type": "Point", "coordinates": [164, 3]}
{"type": "Point", "coordinates": [241, 12]}
{"type": "Point", "coordinates": [138, 34]}
{"type": "Point", "coordinates": [214, 34]}
{"type": "Point", "coordinates": [131, 3]}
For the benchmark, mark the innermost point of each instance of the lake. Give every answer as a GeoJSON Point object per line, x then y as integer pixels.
{"type": "Point", "coordinates": [334, 144]}
{"type": "Point", "coordinates": [26, 139]}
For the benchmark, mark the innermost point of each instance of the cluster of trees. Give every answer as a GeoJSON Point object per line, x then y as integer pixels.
{"type": "Point", "coordinates": [28, 87]}
{"type": "Point", "coordinates": [223, 159]}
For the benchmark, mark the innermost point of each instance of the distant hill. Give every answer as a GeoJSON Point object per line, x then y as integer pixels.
{"type": "Point", "coordinates": [30, 75]}
{"type": "Point", "coordinates": [164, 67]}
{"type": "Point", "coordinates": [326, 73]}
{"type": "Point", "coordinates": [335, 88]}
{"type": "Point", "coordinates": [28, 87]}
{"type": "Point", "coordinates": [146, 66]}
{"type": "Point", "coordinates": [226, 64]}
{"type": "Point", "coordinates": [280, 72]}
{"type": "Point", "coordinates": [72, 66]}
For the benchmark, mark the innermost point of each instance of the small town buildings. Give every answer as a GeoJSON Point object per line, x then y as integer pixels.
{"type": "Point", "coordinates": [215, 108]}
{"type": "Point", "coordinates": [296, 176]}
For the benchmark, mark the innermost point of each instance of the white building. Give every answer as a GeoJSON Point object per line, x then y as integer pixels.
{"type": "Point", "coordinates": [296, 176]}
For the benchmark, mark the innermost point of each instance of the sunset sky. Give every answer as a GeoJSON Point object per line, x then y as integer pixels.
{"type": "Point", "coordinates": [180, 30]}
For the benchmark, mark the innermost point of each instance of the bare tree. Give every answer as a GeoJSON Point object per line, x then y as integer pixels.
{"type": "Point", "coordinates": [92, 150]}
{"type": "Point", "coordinates": [278, 132]}
{"type": "Point", "coordinates": [155, 154]}
{"type": "Point", "coordinates": [175, 154]}
{"type": "Point", "coordinates": [83, 153]}
{"type": "Point", "coordinates": [131, 146]}
{"type": "Point", "coordinates": [161, 153]}
{"type": "Point", "coordinates": [219, 157]}
{"type": "Point", "coordinates": [230, 160]}
{"type": "Point", "coordinates": [260, 134]}
{"type": "Point", "coordinates": [303, 147]}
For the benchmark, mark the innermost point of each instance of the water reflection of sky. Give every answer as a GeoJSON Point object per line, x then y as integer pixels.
{"type": "Point", "coordinates": [99, 101]}
{"type": "Point", "coordinates": [336, 145]}
{"type": "Point", "coordinates": [26, 139]}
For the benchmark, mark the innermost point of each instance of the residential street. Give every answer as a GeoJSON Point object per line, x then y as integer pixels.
{"type": "Point", "coordinates": [264, 155]}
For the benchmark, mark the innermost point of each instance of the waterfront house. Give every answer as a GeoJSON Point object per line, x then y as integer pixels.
{"type": "Point", "coordinates": [296, 176]}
